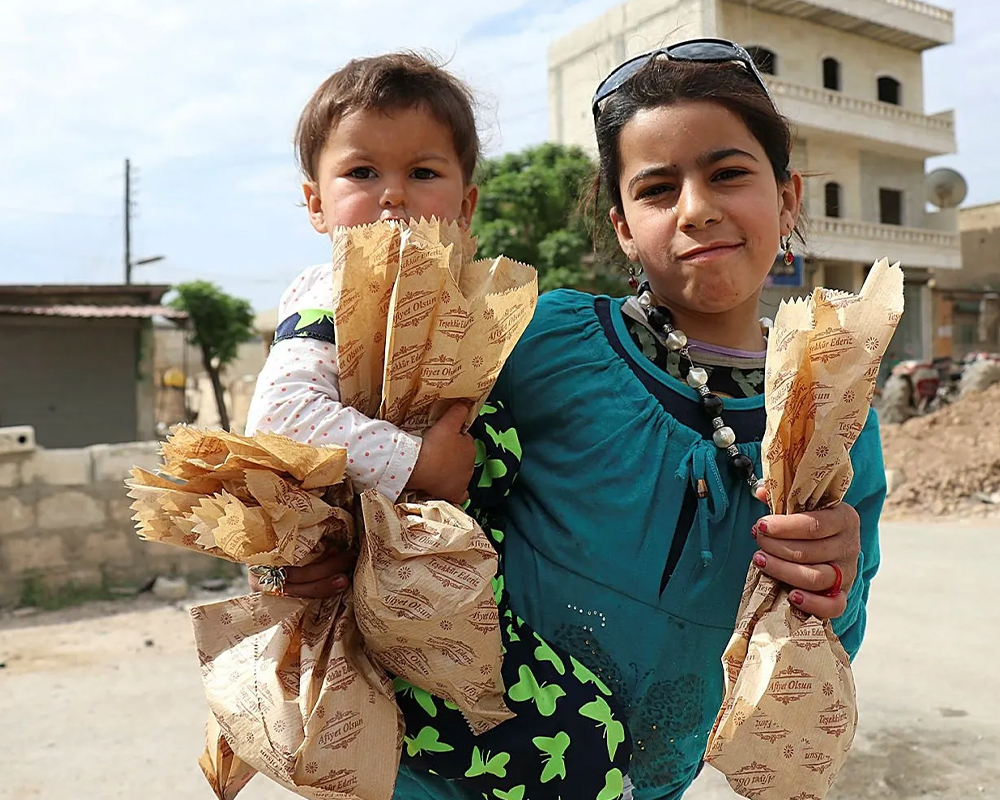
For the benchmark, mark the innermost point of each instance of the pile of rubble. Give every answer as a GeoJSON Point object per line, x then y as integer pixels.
{"type": "Point", "coordinates": [947, 462]}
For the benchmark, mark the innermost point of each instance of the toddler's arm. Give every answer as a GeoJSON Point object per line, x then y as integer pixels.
{"type": "Point", "coordinates": [298, 395]}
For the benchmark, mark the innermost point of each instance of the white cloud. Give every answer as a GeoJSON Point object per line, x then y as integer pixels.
{"type": "Point", "coordinates": [203, 97]}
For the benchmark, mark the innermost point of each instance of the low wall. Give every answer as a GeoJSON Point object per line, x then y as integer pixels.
{"type": "Point", "coordinates": [65, 525]}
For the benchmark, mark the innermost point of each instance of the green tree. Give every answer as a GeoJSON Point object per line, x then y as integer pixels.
{"type": "Point", "coordinates": [529, 210]}
{"type": "Point", "coordinates": [219, 324]}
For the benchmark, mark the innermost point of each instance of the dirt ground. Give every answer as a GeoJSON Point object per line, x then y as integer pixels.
{"type": "Point", "coordinates": [949, 460]}
{"type": "Point", "coordinates": [105, 701]}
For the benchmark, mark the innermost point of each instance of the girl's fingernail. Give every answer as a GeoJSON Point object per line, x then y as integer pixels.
{"type": "Point", "coordinates": [753, 531]}
{"type": "Point", "coordinates": [762, 526]}
{"type": "Point", "coordinates": [796, 598]}
{"type": "Point", "coordinates": [340, 583]}
{"type": "Point", "coordinates": [760, 560]}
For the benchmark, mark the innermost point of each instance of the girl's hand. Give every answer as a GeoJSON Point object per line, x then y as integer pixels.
{"type": "Point", "coordinates": [801, 549]}
{"type": "Point", "coordinates": [326, 577]}
{"type": "Point", "coordinates": [447, 458]}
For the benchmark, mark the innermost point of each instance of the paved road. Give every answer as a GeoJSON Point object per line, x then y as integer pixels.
{"type": "Point", "coordinates": [90, 710]}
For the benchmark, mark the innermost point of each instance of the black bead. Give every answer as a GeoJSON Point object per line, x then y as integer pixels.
{"type": "Point", "coordinates": [742, 463]}
{"type": "Point", "coordinates": [643, 287]}
{"type": "Point", "coordinates": [658, 317]}
{"type": "Point", "coordinates": [712, 404]}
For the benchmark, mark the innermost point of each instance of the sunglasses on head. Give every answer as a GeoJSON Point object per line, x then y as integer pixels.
{"type": "Point", "coordinates": [704, 51]}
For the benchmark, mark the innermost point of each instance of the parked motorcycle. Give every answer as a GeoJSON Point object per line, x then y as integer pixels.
{"type": "Point", "coordinates": [918, 387]}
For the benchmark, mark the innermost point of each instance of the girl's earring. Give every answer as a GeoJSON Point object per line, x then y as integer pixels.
{"type": "Point", "coordinates": [633, 279]}
{"type": "Point", "coordinates": [789, 257]}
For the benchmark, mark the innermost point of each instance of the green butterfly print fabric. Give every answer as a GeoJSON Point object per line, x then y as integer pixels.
{"type": "Point", "coordinates": [568, 738]}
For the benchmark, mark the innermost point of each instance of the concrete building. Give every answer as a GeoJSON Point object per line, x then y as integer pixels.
{"type": "Point", "coordinates": [76, 362]}
{"type": "Point", "coordinates": [849, 75]}
{"type": "Point", "coordinates": [967, 301]}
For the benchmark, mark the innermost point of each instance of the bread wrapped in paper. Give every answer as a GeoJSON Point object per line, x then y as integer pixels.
{"type": "Point", "coordinates": [420, 325]}
{"type": "Point", "coordinates": [790, 711]}
{"type": "Point", "coordinates": [298, 688]}
{"type": "Point", "coordinates": [292, 690]}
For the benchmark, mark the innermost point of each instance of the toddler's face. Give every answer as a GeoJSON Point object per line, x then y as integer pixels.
{"type": "Point", "coordinates": [396, 165]}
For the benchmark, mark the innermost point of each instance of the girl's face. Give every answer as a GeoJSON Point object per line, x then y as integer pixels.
{"type": "Point", "coordinates": [382, 166]}
{"type": "Point", "coordinates": [703, 212]}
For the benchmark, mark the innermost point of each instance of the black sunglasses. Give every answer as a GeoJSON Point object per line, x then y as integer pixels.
{"type": "Point", "coordinates": [705, 51]}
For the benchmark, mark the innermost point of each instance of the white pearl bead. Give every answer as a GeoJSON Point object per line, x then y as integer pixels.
{"type": "Point", "coordinates": [766, 323]}
{"type": "Point", "coordinates": [696, 377]}
{"type": "Point", "coordinates": [724, 437]}
{"type": "Point", "coordinates": [645, 300]}
{"type": "Point", "coordinates": [676, 340]}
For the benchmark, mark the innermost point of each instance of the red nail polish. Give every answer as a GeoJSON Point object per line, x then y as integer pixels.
{"type": "Point", "coordinates": [796, 598]}
{"type": "Point", "coordinates": [760, 560]}
{"type": "Point", "coordinates": [762, 526]}
{"type": "Point", "coordinates": [753, 531]}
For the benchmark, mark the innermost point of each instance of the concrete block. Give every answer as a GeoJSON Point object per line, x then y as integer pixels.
{"type": "Point", "coordinates": [34, 553]}
{"type": "Point", "coordinates": [71, 467]}
{"type": "Point", "coordinates": [105, 548]}
{"type": "Point", "coordinates": [70, 510]}
{"type": "Point", "coordinates": [10, 474]}
{"type": "Point", "coordinates": [79, 577]}
{"type": "Point", "coordinates": [167, 588]}
{"type": "Point", "coordinates": [15, 516]}
{"type": "Point", "coordinates": [113, 462]}
{"type": "Point", "coordinates": [17, 439]}
{"type": "Point", "coordinates": [120, 512]}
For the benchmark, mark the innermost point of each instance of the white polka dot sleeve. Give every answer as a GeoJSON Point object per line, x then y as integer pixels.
{"type": "Point", "coordinates": [298, 395]}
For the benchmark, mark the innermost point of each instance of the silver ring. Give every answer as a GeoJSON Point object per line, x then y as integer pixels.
{"type": "Point", "coordinates": [272, 578]}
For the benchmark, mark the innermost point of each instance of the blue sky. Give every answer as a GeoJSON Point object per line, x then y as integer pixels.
{"type": "Point", "coordinates": [203, 97]}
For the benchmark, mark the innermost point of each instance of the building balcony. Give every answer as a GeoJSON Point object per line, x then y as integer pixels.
{"type": "Point", "coordinates": [912, 24]}
{"type": "Point", "coordinates": [871, 124]}
{"type": "Point", "coordinates": [866, 242]}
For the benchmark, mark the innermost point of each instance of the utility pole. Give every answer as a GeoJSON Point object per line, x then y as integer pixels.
{"type": "Point", "coordinates": [128, 221]}
{"type": "Point", "coordinates": [129, 263]}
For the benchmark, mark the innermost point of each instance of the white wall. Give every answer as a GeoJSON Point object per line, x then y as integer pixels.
{"type": "Point", "coordinates": [884, 172]}
{"type": "Point", "coordinates": [801, 47]}
{"type": "Point", "coordinates": [582, 58]}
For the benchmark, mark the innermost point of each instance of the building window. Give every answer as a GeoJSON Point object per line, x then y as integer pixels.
{"type": "Point", "coordinates": [766, 60]}
{"type": "Point", "coordinates": [832, 198]}
{"type": "Point", "coordinates": [831, 74]}
{"type": "Point", "coordinates": [890, 206]}
{"type": "Point", "coordinates": [888, 90]}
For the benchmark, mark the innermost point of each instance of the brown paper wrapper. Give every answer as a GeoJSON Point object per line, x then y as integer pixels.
{"type": "Point", "coordinates": [297, 698]}
{"type": "Point", "coordinates": [293, 691]}
{"type": "Point", "coordinates": [790, 711]}
{"type": "Point", "coordinates": [225, 772]}
{"type": "Point", "coordinates": [432, 567]}
{"type": "Point", "coordinates": [419, 325]}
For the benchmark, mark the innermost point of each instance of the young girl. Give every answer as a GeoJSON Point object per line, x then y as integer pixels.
{"type": "Point", "coordinates": [632, 522]}
{"type": "Point", "coordinates": [393, 137]}
{"type": "Point", "coordinates": [630, 526]}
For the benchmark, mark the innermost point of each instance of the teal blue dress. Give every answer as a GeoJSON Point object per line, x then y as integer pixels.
{"type": "Point", "coordinates": [610, 553]}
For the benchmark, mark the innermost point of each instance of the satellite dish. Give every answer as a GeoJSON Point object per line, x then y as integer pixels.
{"type": "Point", "coordinates": [945, 188]}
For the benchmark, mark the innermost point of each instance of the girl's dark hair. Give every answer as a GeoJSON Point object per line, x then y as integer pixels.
{"type": "Point", "coordinates": [663, 83]}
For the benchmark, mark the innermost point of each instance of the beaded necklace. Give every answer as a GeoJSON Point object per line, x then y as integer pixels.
{"type": "Point", "coordinates": [661, 321]}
